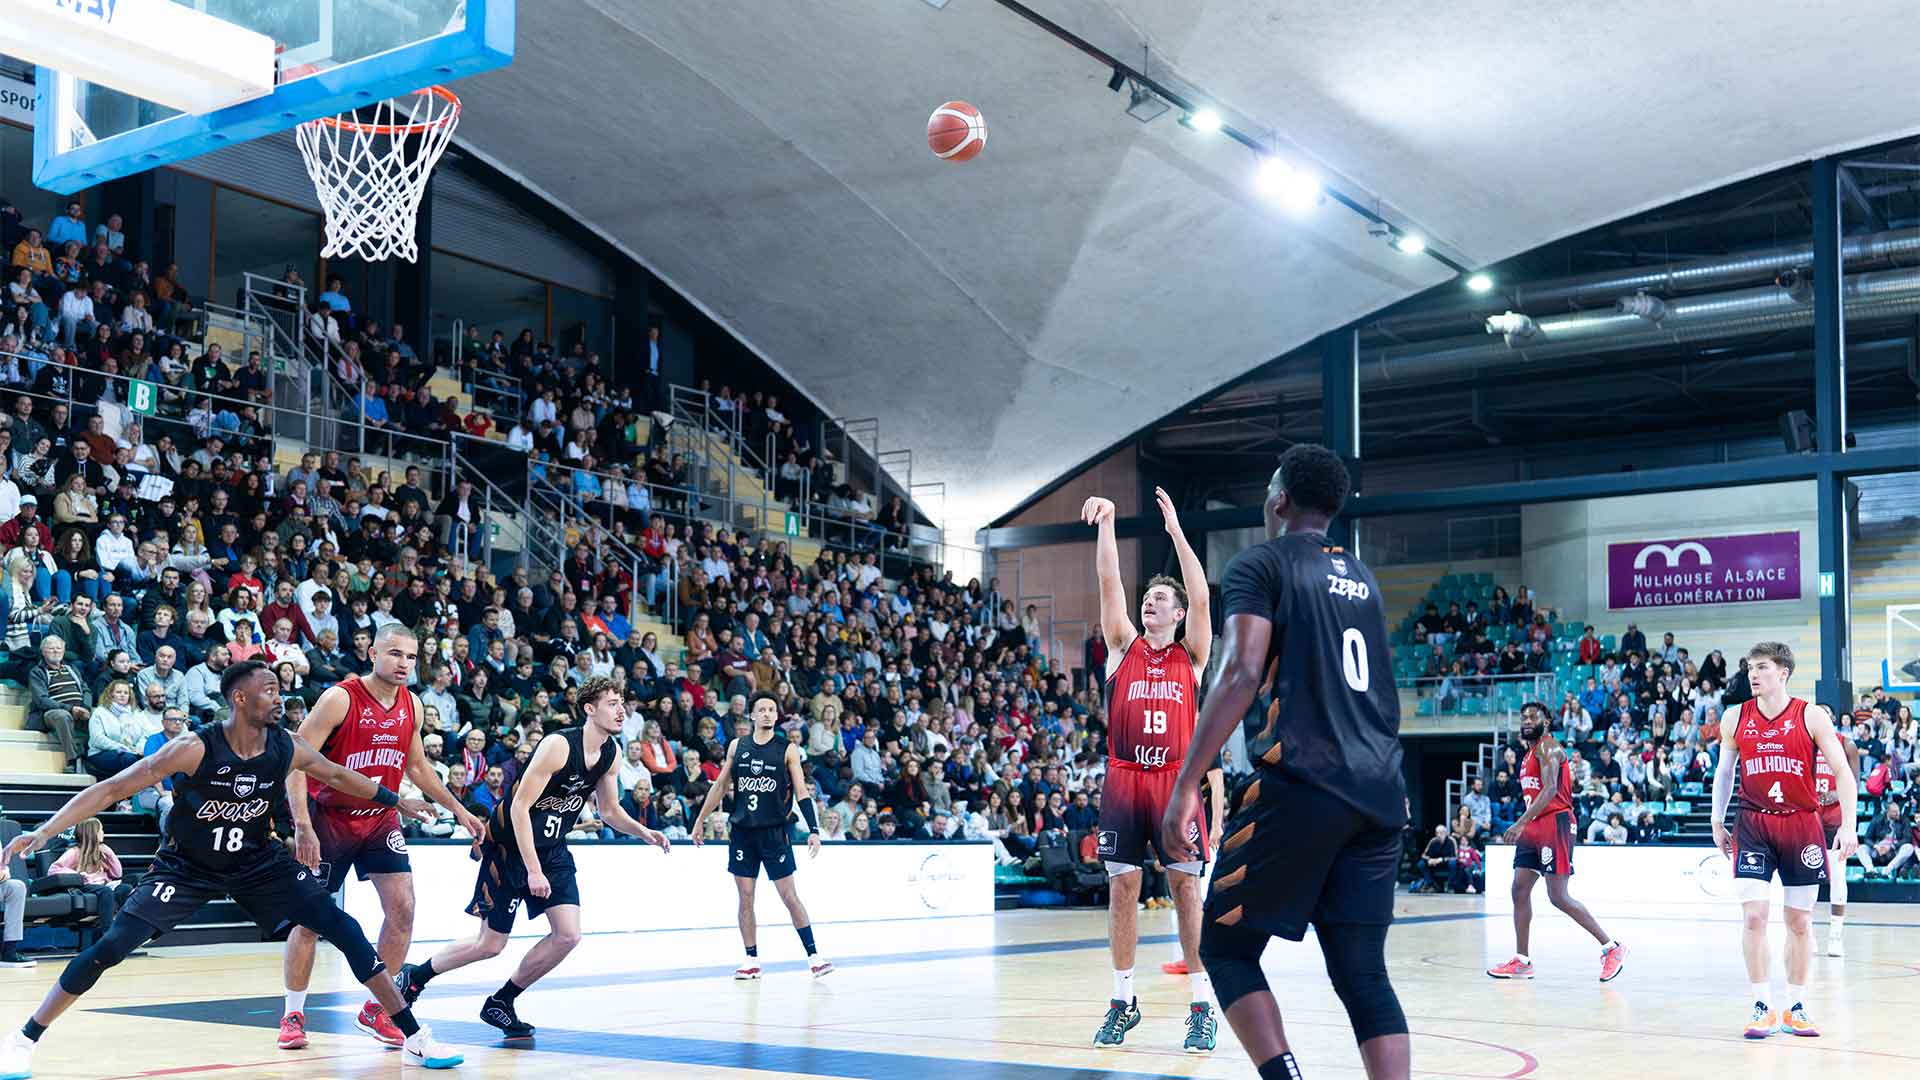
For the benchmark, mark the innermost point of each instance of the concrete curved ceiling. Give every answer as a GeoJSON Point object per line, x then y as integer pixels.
{"type": "Point", "coordinates": [1086, 275]}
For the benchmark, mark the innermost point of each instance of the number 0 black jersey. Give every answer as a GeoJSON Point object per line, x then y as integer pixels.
{"type": "Point", "coordinates": [1328, 714]}
{"type": "Point", "coordinates": [558, 806]}
{"type": "Point", "coordinates": [222, 811]}
{"type": "Point", "coordinates": [762, 788]}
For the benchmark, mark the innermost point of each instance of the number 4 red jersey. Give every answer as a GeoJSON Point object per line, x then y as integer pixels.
{"type": "Point", "coordinates": [1776, 759]}
{"type": "Point", "coordinates": [1151, 705]}
{"type": "Point", "coordinates": [372, 739]}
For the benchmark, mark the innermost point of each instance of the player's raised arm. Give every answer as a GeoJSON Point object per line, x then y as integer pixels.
{"type": "Point", "coordinates": [715, 793]}
{"type": "Point", "coordinates": [1116, 620]}
{"type": "Point", "coordinates": [182, 755]}
{"type": "Point", "coordinates": [359, 785]}
{"type": "Point", "coordinates": [1820, 727]}
{"type": "Point", "coordinates": [321, 722]}
{"type": "Point", "coordinates": [1193, 577]}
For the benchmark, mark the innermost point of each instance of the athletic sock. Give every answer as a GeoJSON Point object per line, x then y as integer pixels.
{"type": "Point", "coordinates": [507, 992]}
{"type": "Point", "coordinates": [1123, 986]}
{"type": "Point", "coordinates": [806, 938]}
{"type": "Point", "coordinates": [296, 1002]}
{"type": "Point", "coordinates": [1836, 923]}
{"type": "Point", "coordinates": [1280, 1068]}
{"type": "Point", "coordinates": [423, 973]}
{"type": "Point", "coordinates": [1794, 995]}
{"type": "Point", "coordinates": [753, 951]}
{"type": "Point", "coordinates": [1523, 958]}
{"type": "Point", "coordinates": [1202, 988]}
{"type": "Point", "coordinates": [405, 1022]}
{"type": "Point", "coordinates": [1610, 945]}
{"type": "Point", "coordinates": [1760, 993]}
{"type": "Point", "coordinates": [33, 1029]}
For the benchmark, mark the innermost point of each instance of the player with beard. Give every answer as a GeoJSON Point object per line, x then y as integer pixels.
{"type": "Point", "coordinates": [226, 776]}
{"type": "Point", "coordinates": [370, 724]}
{"type": "Point", "coordinates": [525, 860]}
{"type": "Point", "coordinates": [1544, 834]}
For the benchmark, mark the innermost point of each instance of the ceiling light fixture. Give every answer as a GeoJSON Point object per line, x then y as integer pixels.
{"type": "Point", "coordinates": [1144, 105]}
{"type": "Point", "coordinates": [1119, 80]}
{"type": "Point", "coordinates": [1480, 283]}
{"type": "Point", "coordinates": [1294, 188]}
{"type": "Point", "coordinates": [1409, 243]}
{"type": "Point", "coordinates": [1206, 121]}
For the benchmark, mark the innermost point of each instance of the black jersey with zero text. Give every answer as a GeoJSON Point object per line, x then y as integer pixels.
{"type": "Point", "coordinates": [762, 788]}
{"type": "Point", "coordinates": [1329, 714]}
{"type": "Point", "coordinates": [223, 809]}
{"type": "Point", "coordinates": [558, 806]}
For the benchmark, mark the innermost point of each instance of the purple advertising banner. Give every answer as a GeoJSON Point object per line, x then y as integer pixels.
{"type": "Point", "coordinates": [1744, 569]}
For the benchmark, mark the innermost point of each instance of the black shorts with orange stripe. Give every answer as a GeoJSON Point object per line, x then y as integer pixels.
{"type": "Point", "coordinates": [1294, 855]}
{"type": "Point", "coordinates": [501, 886]}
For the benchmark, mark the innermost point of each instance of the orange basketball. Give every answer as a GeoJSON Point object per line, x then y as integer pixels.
{"type": "Point", "coordinates": [956, 132]}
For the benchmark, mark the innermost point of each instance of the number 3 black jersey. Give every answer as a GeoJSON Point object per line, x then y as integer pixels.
{"type": "Point", "coordinates": [221, 813]}
{"type": "Point", "coordinates": [558, 806]}
{"type": "Point", "coordinates": [762, 788]}
{"type": "Point", "coordinates": [1328, 714]}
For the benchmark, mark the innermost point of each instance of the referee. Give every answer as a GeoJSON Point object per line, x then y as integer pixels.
{"type": "Point", "coordinates": [1305, 633]}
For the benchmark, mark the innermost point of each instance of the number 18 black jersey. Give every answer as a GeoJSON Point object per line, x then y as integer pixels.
{"type": "Point", "coordinates": [762, 788]}
{"type": "Point", "coordinates": [222, 812]}
{"type": "Point", "coordinates": [1328, 714]}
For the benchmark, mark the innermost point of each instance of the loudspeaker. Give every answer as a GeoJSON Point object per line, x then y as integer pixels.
{"type": "Point", "coordinates": [1796, 430]}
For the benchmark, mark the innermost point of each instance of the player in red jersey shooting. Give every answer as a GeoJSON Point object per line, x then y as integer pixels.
{"type": "Point", "coordinates": [1152, 688]}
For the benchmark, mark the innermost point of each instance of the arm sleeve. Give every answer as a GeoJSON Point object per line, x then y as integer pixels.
{"type": "Point", "coordinates": [1723, 786]}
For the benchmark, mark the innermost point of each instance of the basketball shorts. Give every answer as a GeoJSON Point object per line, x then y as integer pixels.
{"type": "Point", "coordinates": [501, 887]}
{"type": "Point", "coordinates": [372, 844]}
{"type": "Point", "coordinates": [1791, 844]}
{"type": "Point", "coordinates": [1546, 845]}
{"type": "Point", "coordinates": [1131, 803]}
{"type": "Point", "coordinates": [751, 850]}
{"type": "Point", "coordinates": [273, 890]}
{"type": "Point", "coordinates": [1294, 855]}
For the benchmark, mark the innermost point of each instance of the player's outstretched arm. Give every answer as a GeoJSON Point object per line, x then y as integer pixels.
{"type": "Point", "coordinates": [430, 784]}
{"type": "Point", "coordinates": [1116, 619]}
{"type": "Point", "coordinates": [321, 722]}
{"type": "Point", "coordinates": [714, 793]}
{"type": "Point", "coordinates": [361, 786]}
{"type": "Point", "coordinates": [1226, 703]}
{"type": "Point", "coordinates": [1193, 577]}
{"type": "Point", "coordinates": [1820, 726]}
{"type": "Point", "coordinates": [182, 755]}
{"type": "Point", "coordinates": [607, 794]}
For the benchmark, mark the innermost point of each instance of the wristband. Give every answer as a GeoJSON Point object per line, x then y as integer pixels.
{"type": "Point", "coordinates": [807, 811]}
{"type": "Point", "coordinates": [385, 797]}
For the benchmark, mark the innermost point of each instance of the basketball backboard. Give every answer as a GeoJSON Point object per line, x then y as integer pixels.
{"type": "Point", "coordinates": [1900, 671]}
{"type": "Point", "coordinates": [334, 56]}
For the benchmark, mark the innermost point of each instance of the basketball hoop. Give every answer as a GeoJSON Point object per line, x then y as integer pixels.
{"type": "Point", "coordinates": [370, 174]}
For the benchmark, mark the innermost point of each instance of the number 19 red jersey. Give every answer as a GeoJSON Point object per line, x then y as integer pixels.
{"type": "Point", "coordinates": [1776, 759]}
{"type": "Point", "coordinates": [1151, 705]}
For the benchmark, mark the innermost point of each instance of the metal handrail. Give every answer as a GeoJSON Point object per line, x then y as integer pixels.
{"type": "Point", "coordinates": [602, 540]}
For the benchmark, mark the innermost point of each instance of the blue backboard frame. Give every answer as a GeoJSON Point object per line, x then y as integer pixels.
{"type": "Point", "coordinates": [484, 43]}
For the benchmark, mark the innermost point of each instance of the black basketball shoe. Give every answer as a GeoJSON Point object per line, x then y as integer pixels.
{"type": "Point", "coordinates": [501, 1015]}
{"type": "Point", "coordinates": [403, 981]}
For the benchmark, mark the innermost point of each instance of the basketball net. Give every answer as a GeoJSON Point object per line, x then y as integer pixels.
{"type": "Point", "coordinates": [370, 174]}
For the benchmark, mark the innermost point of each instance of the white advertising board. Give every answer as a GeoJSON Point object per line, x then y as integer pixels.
{"type": "Point", "coordinates": [1632, 880]}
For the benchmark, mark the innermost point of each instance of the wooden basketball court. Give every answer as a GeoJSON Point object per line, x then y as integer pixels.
{"type": "Point", "coordinates": [1016, 995]}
